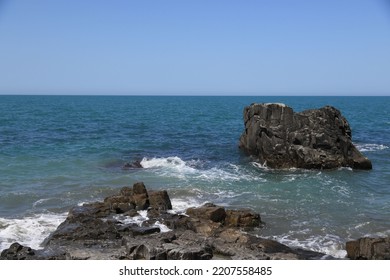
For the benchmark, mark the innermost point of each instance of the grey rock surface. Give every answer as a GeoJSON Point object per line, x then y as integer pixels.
{"type": "Point", "coordinates": [313, 139]}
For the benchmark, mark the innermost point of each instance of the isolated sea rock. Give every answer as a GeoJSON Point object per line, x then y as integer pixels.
{"type": "Point", "coordinates": [132, 165]}
{"type": "Point", "coordinates": [313, 139]}
{"type": "Point", "coordinates": [369, 249]}
{"type": "Point", "coordinates": [117, 228]}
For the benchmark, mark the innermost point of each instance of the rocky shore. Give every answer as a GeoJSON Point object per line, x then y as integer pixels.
{"type": "Point", "coordinates": [138, 223]}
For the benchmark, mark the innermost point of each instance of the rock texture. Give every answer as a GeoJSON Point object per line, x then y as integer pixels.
{"type": "Point", "coordinates": [118, 228]}
{"type": "Point", "coordinates": [312, 139]}
{"type": "Point", "coordinates": [367, 248]}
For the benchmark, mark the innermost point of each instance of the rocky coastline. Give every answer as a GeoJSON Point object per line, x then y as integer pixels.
{"type": "Point", "coordinates": [109, 230]}
{"type": "Point", "coordinates": [102, 230]}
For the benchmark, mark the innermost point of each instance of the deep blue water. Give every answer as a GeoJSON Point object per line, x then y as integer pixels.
{"type": "Point", "coordinates": [59, 151]}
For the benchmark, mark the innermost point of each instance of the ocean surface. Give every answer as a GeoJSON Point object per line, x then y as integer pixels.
{"type": "Point", "coordinates": [60, 151]}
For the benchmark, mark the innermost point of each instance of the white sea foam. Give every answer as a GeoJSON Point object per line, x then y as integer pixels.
{"type": "Point", "coordinates": [329, 244]}
{"type": "Point", "coordinates": [382, 234]}
{"type": "Point", "coordinates": [259, 165]}
{"type": "Point", "coordinates": [180, 205]}
{"type": "Point", "coordinates": [174, 163]}
{"type": "Point", "coordinates": [140, 219]}
{"type": "Point", "coordinates": [178, 168]}
{"type": "Point", "coordinates": [163, 228]}
{"type": "Point", "coordinates": [371, 147]}
{"type": "Point", "coordinates": [29, 231]}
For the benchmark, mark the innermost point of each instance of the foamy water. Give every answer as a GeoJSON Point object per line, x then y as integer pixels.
{"type": "Point", "coordinates": [371, 147]}
{"type": "Point", "coordinates": [29, 231]}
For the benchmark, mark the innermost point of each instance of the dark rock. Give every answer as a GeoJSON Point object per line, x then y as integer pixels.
{"type": "Point", "coordinates": [312, 139]}
{"type": "Point", "coordinates": [145, 230]}
{"type": "Point", "coordinates": [139, 188]}
{"type": "Point", "coordinates": [140, 252]}
{"type": "Point", "coordinates": [100, 231]}
{"type": "Point", "coordinates": [86, 228]}
{"type": "Point", "coordinates": [369, 249]}
{"type": "Point", "coordinates": [18, 252]}
{"type": "Point", "coordinates": [132, 165]}
{"type": "Point", "coordinates": [160, 200]}
{"type": "Point", "coordinates": [208, 211]}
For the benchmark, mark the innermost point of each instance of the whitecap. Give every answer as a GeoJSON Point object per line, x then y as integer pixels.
{"type": "Point", "coordinates": [40, 201]}
{"type": "Point", "coordinates": [178, 168]}
{"type": "Point", "coordinates": [175, 163]}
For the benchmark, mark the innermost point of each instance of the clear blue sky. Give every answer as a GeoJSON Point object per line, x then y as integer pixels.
{"type": "Point", "coordinates": [262, 47]}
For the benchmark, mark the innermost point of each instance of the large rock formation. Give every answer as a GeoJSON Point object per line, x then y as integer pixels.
{"type": "Point", "coordinates": [118, 228]}
{"type": "Point", "coordinates": [312, 139]}
{"type": "Point", "coordinates": [368, 248]}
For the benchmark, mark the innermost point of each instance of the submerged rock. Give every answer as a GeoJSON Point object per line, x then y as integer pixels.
{"type": "Point", "coordinates": [313, 139]}
{"type": "Point", "coordinates": [103, 230]}
{"type": "Point", "coordinates": [132, 165]}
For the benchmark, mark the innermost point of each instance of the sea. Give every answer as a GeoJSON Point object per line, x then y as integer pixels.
{"type": "Point", "coordinates": [57, 152]}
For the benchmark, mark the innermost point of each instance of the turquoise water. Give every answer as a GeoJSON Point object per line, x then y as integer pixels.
{"type": "Point", "coordinates": [60, 151]}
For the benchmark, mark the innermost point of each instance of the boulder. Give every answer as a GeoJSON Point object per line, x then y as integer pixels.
{"type": "Point", "coordinates": [101, 230]}
{"type": "Point", "coordinates": [160, 200]}
{"type": "Point", "coordinates": [208, 211]}
{"type": "Point", "coordinates": [18, 252]}
{"type": "Point", "coordinates": [313, 139]}
{"type": "Point", "coordinates": [242, 218]}
{"type": "Point", "coordinates": [369, 249]}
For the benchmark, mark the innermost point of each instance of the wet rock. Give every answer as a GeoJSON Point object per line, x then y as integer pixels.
{"type": "Point", "coordinates": [242, 218]}
{"type": "Point", "coordinates": [132, 165]}
{"type": "Point", "coordinates": [312, 139]}
{"type": "Point", "coordinates": [208, 211]}
{"type": "Point", "coordinates": [17, 252]}
{"type": "Point", "coordinates": [101, 231]}
{"type": "Point", "coordinates": [160, 200]}
{"type": "Point", "coordinates": [139, 188]}
{"type": "Point", "coordinates": [144, 230]}
{"type": "Point", "coordinates": [369, 249]}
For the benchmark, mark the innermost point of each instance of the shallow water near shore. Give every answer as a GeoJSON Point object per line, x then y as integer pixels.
{"type": "Point", "coordinates": [60, 151]}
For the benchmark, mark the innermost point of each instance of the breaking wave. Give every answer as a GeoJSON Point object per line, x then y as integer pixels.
{"type": "Point", "coordinates": [30, 231]}
{"type": "Point", "coordinates": [328, 244]}
{"type": "Point", "coordinates": [194, 169]}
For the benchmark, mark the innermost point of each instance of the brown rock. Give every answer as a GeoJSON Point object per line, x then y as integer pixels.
{"type": "Point", "coordinates": [160, 200]}
{"type": "Point", "coordinates": [209, 212]}
{"type": "Point", "coordinates": [242, 218]}
{"type": "Point", "coordinates": [139, 188]}
{"type": "Point", "coordinates": [369, 249]}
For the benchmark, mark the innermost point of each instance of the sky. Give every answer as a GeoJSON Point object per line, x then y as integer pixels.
{"type": "Point", "coordinates": [195, 47]}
